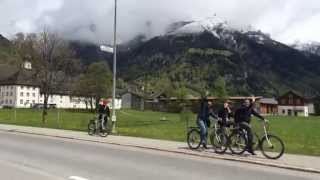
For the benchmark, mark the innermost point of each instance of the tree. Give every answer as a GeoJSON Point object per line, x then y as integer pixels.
{"type": "Point", "coordinates": [220, 89]}
{"type": "Point", "coordinates": [53, 62]}
{"type": "Point", "coordinates": [96, 82]}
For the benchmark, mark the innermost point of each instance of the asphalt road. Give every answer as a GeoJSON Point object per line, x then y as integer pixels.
{"type": "Point", "coordinates": [24, 157]}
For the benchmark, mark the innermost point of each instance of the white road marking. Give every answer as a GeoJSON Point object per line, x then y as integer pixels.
{"type": "Point", "coordinates": [77, 178]}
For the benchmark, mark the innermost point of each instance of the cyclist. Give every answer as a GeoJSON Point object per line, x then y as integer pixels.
{"type": "Point", "coordinates": [242, 117]}
{"type": "Point", "coordinates": [104, 112]}
{"type": "Point", "coordinates": [225, 114]}
{"type": "Point", "coordinates": [203, 121]}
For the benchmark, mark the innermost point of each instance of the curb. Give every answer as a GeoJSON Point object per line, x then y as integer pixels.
{"type": "Point", "coordinates": [288, 167]}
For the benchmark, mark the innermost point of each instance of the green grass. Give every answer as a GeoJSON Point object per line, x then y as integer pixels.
{"type": "Point", "coordinates": [301, 135]}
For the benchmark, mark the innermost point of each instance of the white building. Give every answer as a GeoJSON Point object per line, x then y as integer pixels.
{"type": "Point", "coordinates": [18, 90]}
{"type": "Point", "coordinates": [294, 104]}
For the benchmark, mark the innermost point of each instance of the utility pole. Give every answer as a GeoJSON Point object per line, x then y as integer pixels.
{"type": "Point", "coordinates": [114, 117]}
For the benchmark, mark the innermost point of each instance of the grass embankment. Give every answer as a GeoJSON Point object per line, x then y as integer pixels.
{"type": "Point", "coordinates": [301, 135]}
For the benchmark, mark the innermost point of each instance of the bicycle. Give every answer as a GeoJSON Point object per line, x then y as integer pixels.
{"type": "Point", "coordinates": [194, 138]}
{"type": "Point", "coordinates": [271, 146]}
{"type": "Point", "coordinates": [217, 138]}
{"type": "Point", "coordinates": [95, 127]}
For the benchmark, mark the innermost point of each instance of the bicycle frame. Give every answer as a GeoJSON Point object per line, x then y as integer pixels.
{"type": "Point", "coordinates": [266, 133]}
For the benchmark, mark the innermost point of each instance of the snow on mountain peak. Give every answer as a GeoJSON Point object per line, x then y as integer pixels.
{"type": "Point", "coordinates": [208, 24]}
{"type": "Point", "coordinates": [311, 47]}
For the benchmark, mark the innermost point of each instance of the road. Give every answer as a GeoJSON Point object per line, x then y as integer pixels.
{"type": "Point", "coordinates": [24, 157]}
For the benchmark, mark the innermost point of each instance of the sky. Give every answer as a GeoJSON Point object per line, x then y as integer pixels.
{"type": "Point", "coordinates": [287, 21]}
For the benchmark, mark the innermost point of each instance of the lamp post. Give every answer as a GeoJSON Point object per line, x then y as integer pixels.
{"type": "Point", "coordinates": [113, 50]}
{"type": "Point", "coordinates": [114, 117]}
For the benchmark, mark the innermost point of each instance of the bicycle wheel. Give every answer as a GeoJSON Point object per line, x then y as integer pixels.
{"type": "Point", "coordinates": [238, 143]}
{"type": "Point", "coordinates": [272, 149]}
{"type": "Point", "coordinates": [194, 139]}
{"type": "Point", "coordinates": [219, 142]}
{"type": "Point", "coordinates": [103, 133]}
{"type": "Point", "coordinates": [91, 127]}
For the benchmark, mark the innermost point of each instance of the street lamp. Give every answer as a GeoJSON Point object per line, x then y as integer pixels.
{"type": "Point", "coordinates": [114, 51]}
{"type": "Point", "coordinates": [114, 117]}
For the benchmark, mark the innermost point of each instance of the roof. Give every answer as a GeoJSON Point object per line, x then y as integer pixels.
{"type": "Point", "coordinates": [233, 98]}
{"type": "Point", "coordinates": [301, 95]}
{"type": "Point", "coordinates": [268, 101]}
{"type": "Point", "coordinates": [12, 75]}
{"type": "Point", "coordinates": [7, 71]}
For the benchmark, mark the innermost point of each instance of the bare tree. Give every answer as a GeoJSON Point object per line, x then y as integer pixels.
{"type": "Point", "coordinates": [53, 62]}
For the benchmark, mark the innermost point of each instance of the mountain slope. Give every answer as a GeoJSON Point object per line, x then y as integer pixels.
{"type": "Point", "coordinates": [200, 52]}
{"type": "Point", "coordinates": [7, 52]}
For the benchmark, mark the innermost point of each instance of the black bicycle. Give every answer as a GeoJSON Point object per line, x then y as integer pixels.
{"type": "Point", "coordinates": [194, 138]}
{"type": "Point", "coordinates": [95, 127]}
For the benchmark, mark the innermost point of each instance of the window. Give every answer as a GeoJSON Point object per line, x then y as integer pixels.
{"type": "Point", "coordinates": [28, 88]}
{"type": "Point", "coordinates": [21, 87]}
{"type": "Point", "coordinates": [11, 93]}
{"type": "Point", "coordinates": [6, 101]}
{"type": "Point", "coordinates": [283, 111]}
{"type": "Point", "coordinates": [28, 94]}
{"type": "Point", "coordinates": [21, 101]}
{"type": "Point", "coordinates": [33, 94]}
{"type": "Point", "coordinates": [33, 101]}
{"type": "Point", "coordinates": [28, 101]}
{"type": "Point", "coordinates": [10, 101]}
{"type": "Point", "coordinates": [21, 94]}
{"type": "Point", "coordinates": [7, 93]}
{"type": "Point", "coordinates": [290, 99]}
{"type": "Point", "coordinates": [11, 87]}
{"type": "Point", "coordinates": [34, 88]}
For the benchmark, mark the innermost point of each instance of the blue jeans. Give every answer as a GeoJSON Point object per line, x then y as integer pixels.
{"type": "Point", "coordinates": [203, 131]}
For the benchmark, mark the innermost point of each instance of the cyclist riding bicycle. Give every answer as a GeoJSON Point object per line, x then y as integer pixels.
{"type": "Point", "coordinates": [225, 114]}
{"type": "Point", "coordinates": [242, 117]}
{"type": "Point", "coordinates": [104, 112]}
{"type": "Point", "coordinates": [203, 121]}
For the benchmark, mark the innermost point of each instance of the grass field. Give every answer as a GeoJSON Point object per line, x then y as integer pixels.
{"type": "Point", "coordinates": [301, 135]}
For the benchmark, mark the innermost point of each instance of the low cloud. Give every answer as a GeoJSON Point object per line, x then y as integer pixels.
{"type": "Point", "coordinates": [92, 20]}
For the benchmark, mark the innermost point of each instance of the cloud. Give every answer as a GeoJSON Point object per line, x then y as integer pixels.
{"type": "Point", "coordinates": [92, 20]}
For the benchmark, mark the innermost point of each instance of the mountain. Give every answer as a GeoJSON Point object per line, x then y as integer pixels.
{"type": "Point", "coordinates": [311, 47]}
{"type": "Point", "coordinates": [8, 54]}
{"type": "Point", "coordinates": [199, 52]}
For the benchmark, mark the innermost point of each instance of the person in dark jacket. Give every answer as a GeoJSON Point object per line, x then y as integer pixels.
{"type": "Point", "coordinates": [203, 121]}
{"type": "Point", "coordinates": [242, 117]}
{"type": "Point", "coordinates": [225, 113]}
{"type": "Point", "coordinates": [104, 112]}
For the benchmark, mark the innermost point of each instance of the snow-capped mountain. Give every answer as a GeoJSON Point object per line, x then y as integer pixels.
{"type": "Point", "coordinates": [311, 47]}
{"type": "Point", "coordinates": [220, 29]}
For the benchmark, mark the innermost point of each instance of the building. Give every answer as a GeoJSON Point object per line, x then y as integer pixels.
{"type": "Point", "coordinates": [132, 100]}
{"type": "Point", "coordinates": [267, 106]}
{"type": "Point", "coordinates": [19, 90]}
{"type": "Point", "coordinates": [294, 104]}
